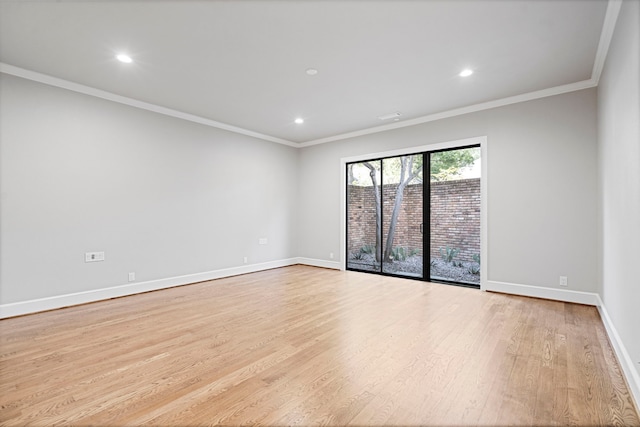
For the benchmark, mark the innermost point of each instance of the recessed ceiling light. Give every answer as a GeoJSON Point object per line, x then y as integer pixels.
{"type": "Point", "coordinates": [312, 71]}
{"type": "Point", "coordinates": [124, 58]}
{"type": "Point", "coordinates": [299, 121]}
{"type": "Point", "coordinates": [466, 72]}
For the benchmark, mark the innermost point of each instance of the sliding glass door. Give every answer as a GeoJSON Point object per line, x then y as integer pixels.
{"type": "Point", "coordinates": [400, 224]}
{"type": "Point", "coordinates": [402, 201]}
{"type": "Point", "coordinates": [385, 216]}
{"type": "Point", "coordinates": [364, 216]}
{"type": "Point", "coordinates": [454, 216]}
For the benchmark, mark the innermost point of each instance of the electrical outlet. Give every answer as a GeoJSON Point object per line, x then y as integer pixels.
{"type": "Point", "coordinates": [93, 256]}
{"type": "Point", "coordinates": [564, 281]}
{"type": "Point", "coordinates": [132, 276]}
{"type": "Point", "coordinates": [245, 260]}
{"type": "Point", "coordinates": [263, 241]}
{"type": "Point", "coordinates": [331, 255]}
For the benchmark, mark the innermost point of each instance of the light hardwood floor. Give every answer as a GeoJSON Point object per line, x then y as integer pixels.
{"type": "Point", "coordinates": [303, 345]}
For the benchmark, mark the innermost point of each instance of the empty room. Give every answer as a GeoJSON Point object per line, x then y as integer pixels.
{"type": "Point", "coordinates": [357, 212]}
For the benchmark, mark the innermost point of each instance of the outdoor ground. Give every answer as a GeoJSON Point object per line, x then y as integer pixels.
{"type": "Point", "coordinates": [412, 266]}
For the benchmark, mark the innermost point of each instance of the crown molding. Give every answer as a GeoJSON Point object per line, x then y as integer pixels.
{"type": "Point", "coordinates": [611, 16]}
{"type": "Point", "coordinates": [87, 90]}
{"type": "Point", "coordinates": [609, 25]}
{"type": "Point", "coordinates": [557, 90]}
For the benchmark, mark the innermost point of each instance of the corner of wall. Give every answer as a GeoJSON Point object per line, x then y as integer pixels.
{"type": "Point", "coordinates": [624, 358]}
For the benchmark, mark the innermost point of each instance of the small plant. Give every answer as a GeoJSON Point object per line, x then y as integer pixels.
{"type": "Point", "coordinates": [432, 262]}
{"type": "Point", "coordinates": [449, 254]}
{"type": "Point", "coordinates": [357, 255]}
{"type": "Point", "coordinates": [367, 249]}
{"type": "Point", "coordinates": [399, 253]}
{"type": "Point", "coordinates": [413, 252]}
{"type": "Point", "coordinates": [474, 268]}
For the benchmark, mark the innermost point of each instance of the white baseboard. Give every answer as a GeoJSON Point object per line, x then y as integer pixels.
{"type": "Point", "coordinates": [59, 301]}
{"type": "Point", "coordinates": [334, 265]}
{"type": "Point", "coordinates": [626, 362]}
{"type": "Point", "coordinates": [566, 295]}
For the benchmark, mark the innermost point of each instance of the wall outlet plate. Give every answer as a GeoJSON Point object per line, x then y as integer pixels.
{"type": "Point", "coordinates": [93, 256]}
{"type": "Point", "coordinates": [564, 281]}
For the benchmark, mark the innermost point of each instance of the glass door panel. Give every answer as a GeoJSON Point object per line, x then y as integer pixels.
{"type": "Point", "coordinates": [402, 201]}
{"type": "Point", "coordinates": [364, 216]}
{"type": "Point", "coordinates": [455, 216]}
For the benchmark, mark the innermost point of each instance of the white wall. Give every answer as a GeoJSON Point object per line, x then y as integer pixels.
{"type": "Point", "coordinates": [542, 187]}
{"type": "Point", "coordinates": [619, 167]}
{"type": "Point", "coordinates": [161, 196]}
{"type": "Point", "coordinates": [165, 197]}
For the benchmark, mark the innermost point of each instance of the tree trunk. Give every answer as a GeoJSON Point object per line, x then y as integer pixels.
{"type": "Point", "coordinates": [376, 190]}
{"type": "Point", "coordinates": [388, 247]}
{"type": "Point", "coordinates": [351, 178]}
{"type": "Point", "coordinates": [406, 176]}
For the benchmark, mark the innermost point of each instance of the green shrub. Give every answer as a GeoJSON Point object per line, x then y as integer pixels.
{"type": "Point", "coordinates": [367, 249]}
{"type": "Point", "coordinates": [399, 253]}
{"type": "Point", "coordinates": [449, 254]}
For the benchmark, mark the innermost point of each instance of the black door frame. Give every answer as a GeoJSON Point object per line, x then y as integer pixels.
{"type": "Point", "coordinates": [426, 215]}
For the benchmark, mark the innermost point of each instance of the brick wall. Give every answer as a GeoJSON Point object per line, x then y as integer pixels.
{"type": "Point", "coordinates": [361, 217]}
{"type": "Point", "coordinates": [455, 217]}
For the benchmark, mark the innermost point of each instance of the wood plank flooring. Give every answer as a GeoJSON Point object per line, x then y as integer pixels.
{"type": "Point", "coordinates": [303, 345]}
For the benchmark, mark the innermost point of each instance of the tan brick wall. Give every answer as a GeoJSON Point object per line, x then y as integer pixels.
{"type": "Point", "coordinates": [455, 217]}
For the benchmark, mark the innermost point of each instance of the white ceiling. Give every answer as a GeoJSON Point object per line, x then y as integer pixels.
{"type": "Point", "coordinates": [242, 63]}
